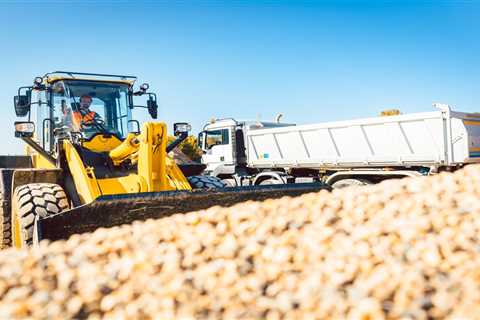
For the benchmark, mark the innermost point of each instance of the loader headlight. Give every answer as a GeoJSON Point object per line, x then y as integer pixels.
{"type": "Point", "coordinates": [24, 129]}
{"type": "Point", "coordinates": [144, 87]}
{"type": "Point", "coordinates": [181, 127]}
{"type": "Point", "coordinates": [38, 80]}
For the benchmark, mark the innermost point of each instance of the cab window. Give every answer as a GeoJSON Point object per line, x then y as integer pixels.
{"type": "Point", "coordinates": [217, 137]}
{"type": "Point", "coordinates": [110, 101]}
{"type": "Point", "coordinates": [97, 106]}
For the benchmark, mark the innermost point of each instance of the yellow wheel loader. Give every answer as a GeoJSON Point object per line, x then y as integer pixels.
{"type": "Point", "coordinates": [90, 164]}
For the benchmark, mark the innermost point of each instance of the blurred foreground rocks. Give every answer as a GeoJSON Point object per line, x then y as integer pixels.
{"type": "Point", "coordinates": [403, 249]}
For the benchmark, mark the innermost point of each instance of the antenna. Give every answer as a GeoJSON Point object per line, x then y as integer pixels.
{"type": "Point", "coordinates": [278, 117]}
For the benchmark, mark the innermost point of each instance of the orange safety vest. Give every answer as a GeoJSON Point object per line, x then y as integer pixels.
{"type": "Point", "coordinates": [78, 118]}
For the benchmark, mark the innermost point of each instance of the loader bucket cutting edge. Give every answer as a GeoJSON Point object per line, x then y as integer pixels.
{"type": "Point", "coordinates": [109, 211]}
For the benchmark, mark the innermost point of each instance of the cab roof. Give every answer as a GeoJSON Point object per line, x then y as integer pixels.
{"type": "Point", "coordinates": [250, 124]}
{"type": "Point", "coordinates": [55, 76]}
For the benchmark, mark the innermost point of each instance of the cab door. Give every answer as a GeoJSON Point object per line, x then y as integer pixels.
{"type": "Point", "coordinates": [41, 114]}
{"type": "Point", "coordinates": [218, 148]}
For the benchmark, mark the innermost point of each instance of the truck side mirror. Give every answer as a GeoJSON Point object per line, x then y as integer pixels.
{"type": "Point", "coordinates": [152, 107]}
{"type": "Point", "coordinates": [22, 104]}
{"type": "Point", "coordinates": [24, 129]}
{"type": "Point", "coordinates": [180, 128]}
{"type": "Point", "coordinates": [201, 137]}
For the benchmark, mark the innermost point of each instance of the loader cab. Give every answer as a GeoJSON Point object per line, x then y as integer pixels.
{"type": "Point", "coordinates": [52, 106]}
{"type": "Point", "coordinates": [58, 109]}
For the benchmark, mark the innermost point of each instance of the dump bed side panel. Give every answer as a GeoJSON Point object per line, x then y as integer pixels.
{"type": "Point", "coordinates": [465, 137]}
{"type": "Point", "coordinates": [417, 139]}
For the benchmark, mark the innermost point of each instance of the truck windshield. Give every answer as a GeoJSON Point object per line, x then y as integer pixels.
{"type": "Point", "coordinates": [92, 106]}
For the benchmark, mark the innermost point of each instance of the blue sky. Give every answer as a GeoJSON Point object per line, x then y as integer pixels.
{"type": "Point", "coordinates": [312, 61]}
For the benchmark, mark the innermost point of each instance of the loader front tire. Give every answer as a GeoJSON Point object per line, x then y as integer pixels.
{"type": "Point", "coordinates": [206, 182]}
{"type": "Point", "coordinates": [5, 226]}
{"type": "Point", "coordinates": [31, 202]}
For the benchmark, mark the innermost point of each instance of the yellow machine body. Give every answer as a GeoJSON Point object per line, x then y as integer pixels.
{"type": "Point", "coordinates": [155, 170]}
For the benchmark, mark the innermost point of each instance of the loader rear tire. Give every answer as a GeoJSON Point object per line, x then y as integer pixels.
{"type": "Point", "coordinates": [31, 202]}
{"type": "Point", "coordinates": [206, 182]}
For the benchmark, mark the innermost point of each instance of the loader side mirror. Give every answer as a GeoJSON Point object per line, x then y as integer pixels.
{"type": "Point", "coordinates": [22, 104]}
{"type": "Point", "coordinates": [152, 107]}
{"type": "Point", "coordinates": [180, 128]}
{"type": "Point", "coordinates": [133, 126]}
{"type": "Point", "coordinates": [24, 129]}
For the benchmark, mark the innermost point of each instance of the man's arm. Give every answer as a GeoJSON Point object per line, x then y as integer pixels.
{"type": "Point", "coordinates": [76, 120]}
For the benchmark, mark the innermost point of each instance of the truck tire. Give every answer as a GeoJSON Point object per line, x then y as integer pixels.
{"type": "Point", "coordinates": [206, 182]}
{"type": "Point", "coordinates": [5, 226]}
{"type": "Point", "coordinates": [31, 202]}
{"type": "Point", "coordinates": [229, 182]}
{"type": "Point", "coordinates": [344, 183]}
{"type": "Point", "coordinates": [270, 181]}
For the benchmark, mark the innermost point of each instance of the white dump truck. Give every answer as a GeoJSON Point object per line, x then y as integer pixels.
{"type": "Point", "coordinates": [355, 152]}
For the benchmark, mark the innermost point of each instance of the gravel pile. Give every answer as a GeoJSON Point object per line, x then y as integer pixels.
{"type": "Point", "coordinates": [404, 249]}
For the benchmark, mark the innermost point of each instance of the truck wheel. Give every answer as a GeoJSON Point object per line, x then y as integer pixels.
{"type": "Point", "coordinates": [206, 182]}
{"type": "Point", "coordinates": [340, 184]}
{"type": "Point", "coordinates": [229, 182]}
{"type": "Point", "coordinates": [270, 181]}
{"type": "Point", "coordinates": [5, 226]}
{"type": "Point", "coordinates": [33, 201]}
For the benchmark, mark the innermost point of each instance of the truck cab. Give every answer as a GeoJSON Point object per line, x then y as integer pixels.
{"type": "Point", "coordinates": [223, 144]}
{"type": "Point", "coordinates": [217, 141]}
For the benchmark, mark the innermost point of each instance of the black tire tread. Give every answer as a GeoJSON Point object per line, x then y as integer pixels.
{"type": "Point", "coordinates": [206, 182]}
{"type": "Point", "coordinates": [37, 199]}
{"type": "Point", "coordinates": [5, 223]}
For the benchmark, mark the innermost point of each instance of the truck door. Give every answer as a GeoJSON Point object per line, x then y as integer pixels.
{"type": "Point", "coordinates": [218, 148]}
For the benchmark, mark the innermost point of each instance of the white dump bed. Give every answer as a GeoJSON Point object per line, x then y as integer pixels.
{"type": "Point", "coordinates": [438, 138]}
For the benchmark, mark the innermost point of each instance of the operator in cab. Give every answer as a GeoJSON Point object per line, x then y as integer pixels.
{"type": "Point", "coordinates": [84, 117]}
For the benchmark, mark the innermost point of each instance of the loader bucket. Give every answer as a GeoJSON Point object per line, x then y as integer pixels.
{"type": "Point", "coordinates": [109, 211]}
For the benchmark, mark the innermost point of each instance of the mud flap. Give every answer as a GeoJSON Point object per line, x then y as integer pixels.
{"type": "Point", "coordinates": [109, 211]}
